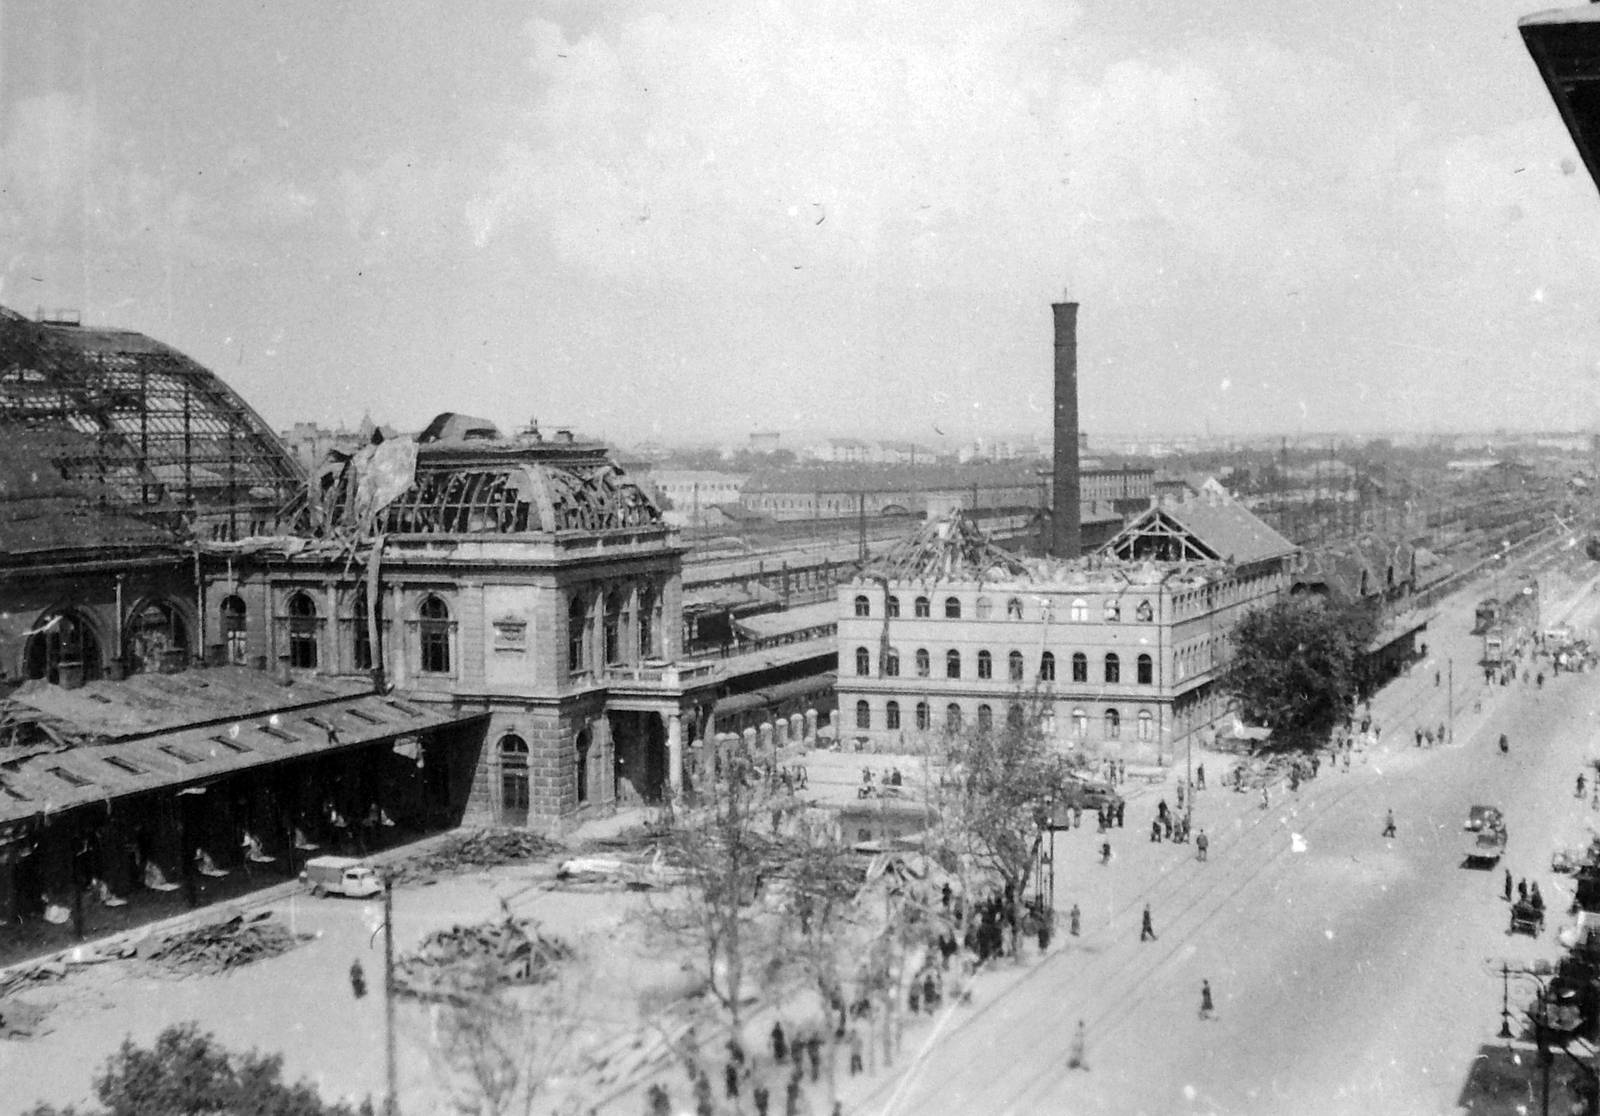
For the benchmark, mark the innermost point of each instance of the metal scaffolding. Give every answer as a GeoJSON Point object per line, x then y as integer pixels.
{"type": "Point", "coordinates": [143, 426]}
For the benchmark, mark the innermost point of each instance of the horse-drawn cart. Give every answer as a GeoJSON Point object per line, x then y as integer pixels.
{"type": "Point", "coordinates": [1526, 918]}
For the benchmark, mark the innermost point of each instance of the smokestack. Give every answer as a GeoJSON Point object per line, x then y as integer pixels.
{"type": "Point", "coordinates": [1066, 539]}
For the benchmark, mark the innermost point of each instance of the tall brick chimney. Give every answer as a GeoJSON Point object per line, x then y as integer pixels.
{"type": "Point", "coordinates": [1066, 539]}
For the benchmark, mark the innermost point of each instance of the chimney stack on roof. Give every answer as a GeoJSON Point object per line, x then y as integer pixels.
{"type": "Point", "coordinates": [1066, 540]}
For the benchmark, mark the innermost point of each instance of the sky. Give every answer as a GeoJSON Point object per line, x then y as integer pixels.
{"type": "Point", "coordinates": [684, 221]}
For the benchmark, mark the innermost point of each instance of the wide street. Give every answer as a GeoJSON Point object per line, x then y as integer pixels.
{"type": "Point", "coordinates": [1349, 970]}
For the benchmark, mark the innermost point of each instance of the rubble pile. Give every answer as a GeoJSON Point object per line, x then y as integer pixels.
{"type": "Point", "coordinates": [207, 950]}
{"type": "Point", "coordinates": [483, 848]}
{"type": "Point", "coordinates": [464, 961]}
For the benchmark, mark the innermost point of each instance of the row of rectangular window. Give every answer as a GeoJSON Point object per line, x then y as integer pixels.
{"type": "Point", "coordinates": [955, 720]}
{"type": "Point", "coordinates": [1112, 666]}
{"type": "Point", "coordinates": [1078, 611]}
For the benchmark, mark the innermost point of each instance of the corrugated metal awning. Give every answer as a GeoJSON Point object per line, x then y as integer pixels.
{"type": "Point", "coordinates": [48, 783]}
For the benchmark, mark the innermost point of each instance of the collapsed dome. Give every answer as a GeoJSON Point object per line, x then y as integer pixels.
{"type": "Point", "coordinates": [141, 425]}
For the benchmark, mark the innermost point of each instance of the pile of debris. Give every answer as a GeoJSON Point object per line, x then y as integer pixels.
{"type": "Point", "coordinates": [207, 950]}
{"type": "Point", "coordinates": [482, 848]}
{"type": "Point", "coordinates": [954, 548]}
{"type": "Point", "coordinates": [463, 962]}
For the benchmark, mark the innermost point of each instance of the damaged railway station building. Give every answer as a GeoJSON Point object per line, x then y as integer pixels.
{"type": "Point", "coordinates": [213, 665]}
{"type": "Point", "coordinates": [1120, 647]}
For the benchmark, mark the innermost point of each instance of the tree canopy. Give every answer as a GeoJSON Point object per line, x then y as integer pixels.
{"type": "Point", "coordinates": [187, 1072]}
{"type": "Point", "coordinates": [1296, 666]}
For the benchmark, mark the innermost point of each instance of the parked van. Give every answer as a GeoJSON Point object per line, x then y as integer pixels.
{"type": "Point", "coordinates": [341, 875]}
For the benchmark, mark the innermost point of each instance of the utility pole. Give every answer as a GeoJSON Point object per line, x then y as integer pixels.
{"type": "Point", "coordinates": [391, 1102]}
{"type": "Point", "coordinates": [861, 513]}
{"type": "Point", "coordinates": [1450, 701]}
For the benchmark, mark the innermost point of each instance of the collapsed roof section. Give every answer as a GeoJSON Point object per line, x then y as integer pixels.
{"type": "Point", "coordinates": [950, 549]}
{"type": "Point", "coordinates": [142, 425]}
{"type": "Point", "coordinates": [471, 487]}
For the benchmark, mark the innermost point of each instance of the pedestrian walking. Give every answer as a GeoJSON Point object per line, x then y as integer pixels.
{"type": "Point", "coordinates": [762, 1098]}
{"type": "Point", "coordinates": [1439, 736]}
{"type": "Point", "coordinates": [1428, 736]}
{"type": "Point", "coordinates": [1166, 827]}
{"type": "Point", "coordinates": [1535, 898]}
{"type": "Point", "coordinates": [1580, 784]}
{"type": "Point", "coordinates": [1105, 852]}
{"type": "Point", "coordinates": [1202, 845]}
{"type": "Point", "coordinates": [1437, 675]}
{"type": "Point", "coordinates": [1508, 885]}
{"type": "Point", "coordinates": [1266, 798]}
{"type": "Point", "coordinates": [1122, 809]}
{"type": "Point", "coordinates": [1347, 759]}
{"type": "Point", "coordinates": [1077, 1059]}
{"type": "Point", "coordinates": [1200, 776]}
{"type": "Point", "coordinates": [1522, 891]}
{"type": "Point", "coordinates": [1419, 737]}
{"type": "Point", "coordinates": [1180, 796]}
{"type": "Point", "coordinates": [1073, 918]}
{"type": "Point", "coordinates": [1207, 1008]}
{"type": "Point", "coordinates": [1388, 825]}
{"type": "Point", "coordinates": [1541, 680]}
{"type": "Point", "coordinates": [1155, 830]}
{"type": "Point", "coordinates": [857, 1065]}
{"type": "Point", "coordinates": [1147, 931]}
{"type": "Point", "coordinates": [791, 1098]}
{"type": "Point", "coordinates": [814, 1054]}
{"type": "Point", "coordinates": [730, 1078]}
{"type": "Point", "coordinates": [780, 1045]}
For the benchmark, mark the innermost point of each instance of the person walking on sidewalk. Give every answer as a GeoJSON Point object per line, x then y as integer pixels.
{"type": "Point", "coordinates": [1147, 931]}
{"type": "Point", "coordinates": [1074, 919]}
{"type": "Point", "coordinates": [1266, 797]}
{"type": "Point", "coordinates": [1208, 1010]}
{"type": "Point", "coordinates": [1077, 1059]}
{"type": "Point", "coordinates": [1508, 885]}
{"type": "Point", "coordinates": [1388, 825]}
{"type": "Point", "coordinates": [1580, 785]}
{"type": "Point", "coordinates": [1202, 845]}
{"type": "Point", "coordinates": [1200, 776]}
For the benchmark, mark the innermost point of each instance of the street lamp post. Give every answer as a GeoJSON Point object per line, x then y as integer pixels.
{"type": "Point", "coordinates": [1450, 702]}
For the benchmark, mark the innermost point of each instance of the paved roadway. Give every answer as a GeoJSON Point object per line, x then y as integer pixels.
{"type": "Point", "coordinates": [1349, 970]}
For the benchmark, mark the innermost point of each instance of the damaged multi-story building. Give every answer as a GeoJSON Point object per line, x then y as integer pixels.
{"type": "Point", "coordinates": [213, 665]}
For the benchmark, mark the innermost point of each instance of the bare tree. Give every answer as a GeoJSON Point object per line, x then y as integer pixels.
{"type": "Point", "coordinates": [1000, 783]}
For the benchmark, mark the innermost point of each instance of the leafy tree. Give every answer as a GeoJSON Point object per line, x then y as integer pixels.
{"type": "Point", "coordinates": [1296, 666]}
{"type": "Point", "coordinates": [188, 1073]}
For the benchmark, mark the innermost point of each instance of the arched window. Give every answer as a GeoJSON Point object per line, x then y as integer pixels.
{"type": "Point", "coordinates": [1113, 611]}
{"type": "Point", "coordinates": [952, 664]}
{"type": "Point", "coordinates": [1080, 667]}
{"type": "Point", "coordinates": [1144, 613]}
{"type": "Point", "coordinates": [891, 715]}
{"type": "Point", "coordinates": [1014, 665]}
{"type": "Point", "coordinates": [1080, 724]}
{"type": "Point", "coordinates": [1014, 608]}
{"type": "Point", "coordinates": [952, 718]}
{"type": "Point", "coordinates": [952, 608]}
{"type": "Point", "coordinates": [924, 663]}
{"type": "Point", "coordinates": [433, 628]}
{"type": "Point", "coordinates": [1047, 667]}
{"type": "Point", "coordinates": [863, 661]}
{"type": "Point", "coordinates": [153, 635]}
{"type": "Point", "coordinates": [234, 629]}
{"type": "Point", "coordinates": [1147, 726]}
{"type": "Point", "coordinates": [1146, 667]}
{"type": "Point", "coordinates": [1047, 720]}
{"type": "Point", "coordinates": [1113, 667]}
{"type": "Point", "coordinates": [985, 718]}
{"type": "Point", "coordinates": [922, 607]}
{"type": "Point", "coordinates": [1080, 611]}
{"type": "Point", "coordinates": [577, 634]}
{"type": "Point", "coordinates": [984, 608]}
{"type": "Point", "coordinates": [924, 717]}
{"type": "Point", "coordinates": [302, 632]}
{"type": "Point", "coordinates": [1113, 724]}
{"type": "Point", "coordinates": [613, 627]}
{"type": "Point", "coordinates": [985, 665]}
{"type": "Point", "coordinates": [648, 603]}
{"type": "Point", "coordinates": [863, 605]}
{"type": "Point", "coordinates": [62, 644]}
{"type": "Point", "coordinates": [891, 663]}
{"type": "Point", "coordinates": [1014, 715]}
{"type": "Point", "coordinates": [892, 607]}
{"type": "Point", "coordinates": [863, 715]}
{"type": "Point", "coordinates": [514, 780]}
